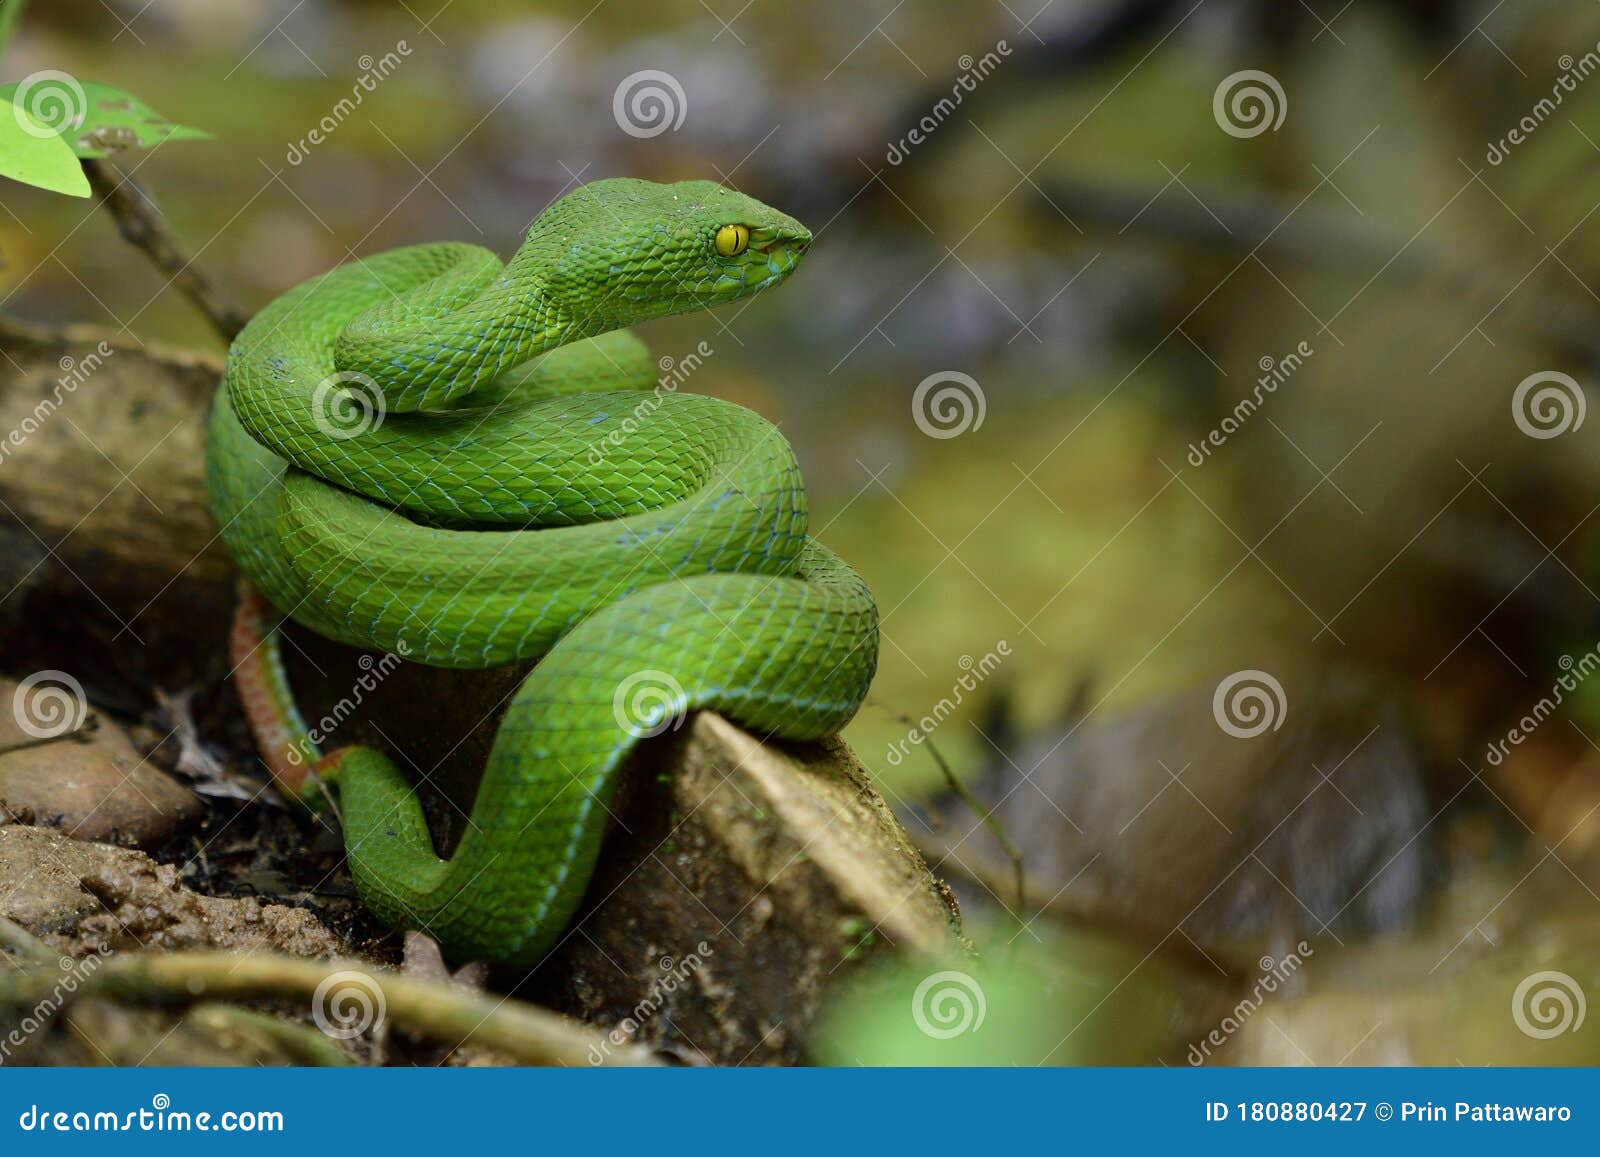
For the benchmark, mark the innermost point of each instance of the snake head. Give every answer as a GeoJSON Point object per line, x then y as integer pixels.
{"type": "Point", "coordinates": [627, 250]}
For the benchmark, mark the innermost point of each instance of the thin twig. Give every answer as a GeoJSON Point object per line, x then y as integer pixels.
{"type": "Point", "coordinates": [985, 815]}
{"type": "Point", "coordinates": [1081, 906]}
{"type": "Point", "coordinates": [82, 733]}
{"type": "Point", "coordinates": [140, 223]}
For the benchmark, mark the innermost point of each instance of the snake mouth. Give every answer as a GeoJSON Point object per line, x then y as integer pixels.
{"type": "Point", "coordinates": [767, 242]}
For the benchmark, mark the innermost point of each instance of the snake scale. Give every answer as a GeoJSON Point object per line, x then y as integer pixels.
{"type": "Point", "coordinates": [441, 455]}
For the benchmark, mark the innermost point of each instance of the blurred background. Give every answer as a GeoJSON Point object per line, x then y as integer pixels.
{"type": "Point", "coordinates": [1200, 386]}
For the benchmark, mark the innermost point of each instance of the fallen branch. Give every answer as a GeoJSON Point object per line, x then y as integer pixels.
{"type": "Point", "coordinates": [17, 939]}
{"type": "Point", "coordinates": [302, 1043]}
{"type": "Point", "coordinates": [439, 1012]}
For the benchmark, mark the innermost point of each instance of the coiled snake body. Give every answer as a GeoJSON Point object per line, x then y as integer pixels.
{"type": "Point", "coordinates": [391, 469]}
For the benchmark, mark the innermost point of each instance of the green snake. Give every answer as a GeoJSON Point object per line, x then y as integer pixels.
{"type": "Point", "coordinates": [437, 454]}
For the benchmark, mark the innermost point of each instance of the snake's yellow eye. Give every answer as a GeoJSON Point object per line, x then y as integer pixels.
{"type": "Point", "coordinates": [732, 240]}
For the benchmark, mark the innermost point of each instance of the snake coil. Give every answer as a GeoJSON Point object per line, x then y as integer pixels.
{"type": "Point", "coordinates": [507, 490]}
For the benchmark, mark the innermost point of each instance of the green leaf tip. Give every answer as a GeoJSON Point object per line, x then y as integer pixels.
{"type": "Point", "coordinates": [33, 153]}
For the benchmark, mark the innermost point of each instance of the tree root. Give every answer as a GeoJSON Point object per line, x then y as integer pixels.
{"type": "Point", "coordinates": [435, 1011]}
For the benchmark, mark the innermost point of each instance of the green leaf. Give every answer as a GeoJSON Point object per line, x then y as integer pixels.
{"type": "Point", "coordinates": [96, 119]}
{"type": "Point", "coordinates": [31, 153]}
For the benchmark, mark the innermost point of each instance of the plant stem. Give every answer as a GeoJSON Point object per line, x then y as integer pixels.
{"type": "Point", "coordinates": [985, 816]}
{"type": "Point", "coordinates": [140, 223]}
{"type": "Point", "coordinates": [441, 1012]}
{"type": "Point", "coordinates": [15, 938]}
{"type": "Point", "coordinates": [10, 13]}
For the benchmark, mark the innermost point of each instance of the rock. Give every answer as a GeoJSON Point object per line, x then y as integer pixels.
{"type": "Point", "coordinates": [1499, 972]}
{"type": "Point", "coordinates": [84, 898]}
{"type": "Point", "coordinates": [92, 785]}
{"type": "Point", "coordinates": [40, 874]}
{"type": "Point", "coordinates": [739, 886]}
{"type": "Point", "coordinates": [106, 538]}
{"type": "Point", "coordinates": [1155, 818]}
